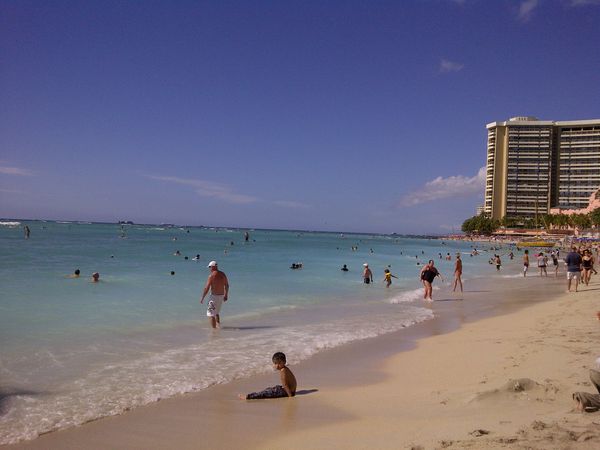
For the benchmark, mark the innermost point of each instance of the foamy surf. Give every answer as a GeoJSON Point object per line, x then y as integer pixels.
{"type": "Point", "coordinates": [410, 296]}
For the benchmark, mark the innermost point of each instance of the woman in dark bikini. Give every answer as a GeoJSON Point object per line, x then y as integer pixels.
{"type": "Point", "coordinates": [587, 264]}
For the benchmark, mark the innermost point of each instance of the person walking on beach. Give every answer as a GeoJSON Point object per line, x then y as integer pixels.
{"type": "Point", "coordinates": [525, 262]}
{"type": "Point", "coordinates": [554, 257]}
{"type": "Point", "coordinates": [367, 274]}
{"type": "Point", "coordinates": [587, 264]}
{"type": "Point", "coordinates": [428, 274]}
{"type": "Point", "coordinates": [218, 285]}
{"type": "Point", "coordinates": [542, 262]}
{"type": "Point", "coordinates": [458, 273]}
{"type": "Point", "coordinates": [573, 262]}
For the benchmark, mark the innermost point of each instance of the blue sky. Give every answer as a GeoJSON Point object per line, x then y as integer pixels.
{"type": "Point", "coordinates": [324, 115]}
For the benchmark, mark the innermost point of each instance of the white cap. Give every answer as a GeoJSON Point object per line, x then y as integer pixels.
{"type": "Point", "coordinates": [366, 265]}
{"type": "Point", "coordinates": [212, 264]}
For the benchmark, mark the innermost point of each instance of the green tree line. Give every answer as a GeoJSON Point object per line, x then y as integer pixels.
{"type": "Point", "coordinates": [484, 225]}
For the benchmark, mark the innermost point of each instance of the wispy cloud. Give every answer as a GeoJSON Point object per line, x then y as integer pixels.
{"type": "Point", "coordinates": [209, 189]}
{"type": "Point", "coordinates": [290, 204]}
{"type": "Point", "coordinates": [526, 9]}
{"type": "Point", "coordinates": [7, 170]}
{"type": "Point", "coordinates": [584, 2]}
{"type": "Point", "coordinates": [439, 188]}
{"type": "Point", "coordinates": [223, 192]}
{"type": "Point", "coordinates": [450, 66]}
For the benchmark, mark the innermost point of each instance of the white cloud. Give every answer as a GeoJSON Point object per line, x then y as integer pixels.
{"type": "Point", "coordinates": [438, 188]}
{"type": "Point", "coordinates": [450, 66]}
{"type": "Point", "coordinates": [6, 170]}
{"type": "Point", "coordinates": [223, 192]}
{"type": "Point", "coordinates": [526, 9]}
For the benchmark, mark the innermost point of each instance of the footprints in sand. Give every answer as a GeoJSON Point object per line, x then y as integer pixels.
{"type": "Point", "coordinates": [538, 434]}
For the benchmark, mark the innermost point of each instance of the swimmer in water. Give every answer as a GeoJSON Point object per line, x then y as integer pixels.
{"type": "Point", "coordinates": [75, 274]}
{"type": "Point", "coordinates": [95, 277]}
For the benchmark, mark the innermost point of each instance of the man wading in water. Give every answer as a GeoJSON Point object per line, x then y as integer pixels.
{"type": "Point", "coordinates": [219, 288]}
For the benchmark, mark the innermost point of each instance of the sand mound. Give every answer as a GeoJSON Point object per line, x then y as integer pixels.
{"type": "Point", "coordinates": [519, 388]}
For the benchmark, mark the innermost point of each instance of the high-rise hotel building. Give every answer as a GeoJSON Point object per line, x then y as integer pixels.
{"type": "Point", "coordinates": [534, 165]}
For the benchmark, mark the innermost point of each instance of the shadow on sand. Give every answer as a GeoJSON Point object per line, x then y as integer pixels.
{"type": "Point", "coordinates": [258, 327]}
{"type": "Point", "coordinates": [306, 391]}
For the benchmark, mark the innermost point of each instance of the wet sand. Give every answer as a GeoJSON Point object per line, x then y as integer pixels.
{"type": "Point", "coordinates": [459, 381]}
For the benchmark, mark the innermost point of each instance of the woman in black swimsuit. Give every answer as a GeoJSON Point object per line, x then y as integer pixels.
{"type": "Point", "coordinates": [587, 263]}
{"type": "Point", "coordinates": [428, 274]}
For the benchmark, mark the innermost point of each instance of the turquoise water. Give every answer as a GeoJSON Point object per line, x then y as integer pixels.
{"type": "Point", "coordinates": [73, 350]}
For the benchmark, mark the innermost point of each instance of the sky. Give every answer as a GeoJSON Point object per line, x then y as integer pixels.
{"type": "Point", "coordinates": [356, 116]}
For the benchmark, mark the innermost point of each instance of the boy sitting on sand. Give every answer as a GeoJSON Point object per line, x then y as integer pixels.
{"type": "Point", "coordinates": [287, 388]}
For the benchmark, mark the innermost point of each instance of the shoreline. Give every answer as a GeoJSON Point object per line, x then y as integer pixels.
{"type": "Point", "coordinates": [359, 363]}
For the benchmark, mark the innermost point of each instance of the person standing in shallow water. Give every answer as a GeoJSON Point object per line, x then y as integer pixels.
{"type": "Point", "coordinates": [458, 273]}
{"type": "Point", "coordinates": [525, 262]}
{"type": "Point", "coordinates": [367, 274]}
{"type": "Point", "coordinates": [218, 285]}
{"type": "Point", "coordinates": [388, 277]}
{"type": "Point", "coordinates": [428, 274]}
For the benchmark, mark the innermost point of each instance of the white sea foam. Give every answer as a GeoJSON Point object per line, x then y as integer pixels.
{"type": "Point", "coordinates": [10, 224]}
{"type": "Point", "coordinates": [410, 296]}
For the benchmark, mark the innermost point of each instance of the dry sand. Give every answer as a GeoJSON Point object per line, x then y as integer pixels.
{"type": "Point", "coordinates": [496, 371]}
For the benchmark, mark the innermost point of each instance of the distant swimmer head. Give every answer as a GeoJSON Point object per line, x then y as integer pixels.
{"type": "Point", "coordinates": [172, 272]}
{"type": "Point", "coordinates": [77, 272]}
{"type": "Point", "coordinates": [95, 276]}
{"type": "Point", "coordinates": [212, 264]}
{"type": "Point", "coordinates": [365, 265]}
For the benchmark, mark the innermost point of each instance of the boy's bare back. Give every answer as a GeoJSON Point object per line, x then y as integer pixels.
{"type": "Point", "coordinates": [288, 381]}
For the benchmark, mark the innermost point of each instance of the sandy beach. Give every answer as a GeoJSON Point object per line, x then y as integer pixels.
{"type": "Point", "coordinates": [496, 370]}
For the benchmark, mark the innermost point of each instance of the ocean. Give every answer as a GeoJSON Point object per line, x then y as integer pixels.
{"type": "Point", "coordinates": [73, 351]}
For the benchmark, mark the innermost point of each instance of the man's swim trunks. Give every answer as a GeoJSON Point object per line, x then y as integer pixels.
{"type": "Point", "coordinates": [214, 305]}
{"type": "Point", "coordinates": [270, 392]}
